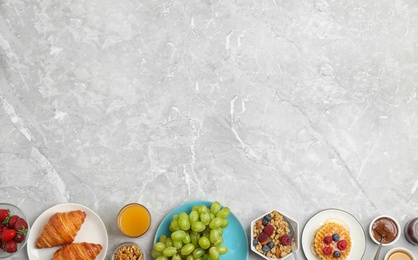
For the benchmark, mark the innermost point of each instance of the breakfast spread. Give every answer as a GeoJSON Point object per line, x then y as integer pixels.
{"type": "Point", "coordinates": [385, 227]}
{"type": "Point", "coordinates": [85, 251]}
{"type": "Point", "coordinates": [332, 240]}
{"type": "Point", "coordinates": [61, 229]}
{"type": "Point", "coordinates": [13, 230]}
{"type": "Point", "coordinates": [270, 236]}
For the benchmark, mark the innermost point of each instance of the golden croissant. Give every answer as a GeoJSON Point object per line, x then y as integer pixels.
{"type": "Point", "coordinates": [78, 251]}
{"type": "Point", "coordinates": [61, 229]}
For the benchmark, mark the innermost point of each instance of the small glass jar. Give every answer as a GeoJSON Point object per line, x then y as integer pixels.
{"type": "Point", "coordinates": [411, 231]}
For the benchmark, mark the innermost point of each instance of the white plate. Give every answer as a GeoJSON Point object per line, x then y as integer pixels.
{"type": "Point", "coordinates": [358, 238]}
{"type": "Point", "coordinates": [93, 231]}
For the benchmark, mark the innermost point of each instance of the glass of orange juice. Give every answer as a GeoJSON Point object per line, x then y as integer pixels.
{"type": "Point", "coordinates": [134, 220]}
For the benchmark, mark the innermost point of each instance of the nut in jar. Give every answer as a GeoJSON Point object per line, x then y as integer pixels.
{"type": "Point", "coordinates": [128, 251]}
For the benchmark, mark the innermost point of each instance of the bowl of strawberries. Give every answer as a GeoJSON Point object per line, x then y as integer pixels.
{"type": "Point", "coordinates": [14, 230]}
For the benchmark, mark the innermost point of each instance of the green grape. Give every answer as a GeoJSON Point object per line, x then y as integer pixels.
{"type": "Point", "coordinates": [169, 251]}
{"type": "Point", "coordinates": [176, 257]}
{"type": "Point", "coordinates": [183, 215]}
{"type": "Point", "coordinates": [215, 223]}
{"type": "Point", "coordinates": [169, 242]}
{"type": "Point", "coordinates": [215, 207]}
{"type": "Point", "coordinates": [214, 236]}
{"type": "Point", "coordinates": [224, 223]}
{"type": "Point", "coordinates": [161, 257]}
{"type": "Point", "coordinates": [205, 218]}
{"type": "Point", "coordinates": [205, 257]}
{"type": "Point", "coordinates": [193, 216]}
{"type": "Point", "coordinates": [187, 249]}
{"type": "Point", "coordinates": [198, 252]}
{"type": "Point", "coordinates": [198, 226]}
{"type": "Point", "coordinates": [190, 257]}
{"type": "Point", "coordinates": [219, 242]}
{"type": "Point", "coordinates": [175, 217]}
{"type": "Point", "coordinates": [213, 253]}
{"type": "Point", "coordinates": [223, 213]}
{"type": "Point", "coordinates": [177, 244]}
{"type": "Point", "coordinates": [178, 235]}
{"type": "Point", "coordinates": [204, 242]}
{"type": "Point", "coordinates": [202, 208]}
{"type": "Point", "coordinates": [184, 223]}
{"type": "Point", "coordinates": [194, 208]}
{"type": "Point", "coordinates": [159, 246]}
{"type": "Point", "coordinates": [186, 240]}
{"type": "Point", "coordinates": [155, 253]}
{"type": "Point", "coordinates": [194, 237]}
{"type": "Point", "coordinates": [174, 225]}
{"type": "Point", "coordinates": [212, 216]}
{"type": "Point", "coordinates": [162, 238]}
{"type": "Point", "coordinates": [222, 249]}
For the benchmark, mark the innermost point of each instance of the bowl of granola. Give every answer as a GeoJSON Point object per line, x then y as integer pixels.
{"type": "Point", "coordinates": [128, 251]}
{"type": "Point", "coordinates": [270, 235]}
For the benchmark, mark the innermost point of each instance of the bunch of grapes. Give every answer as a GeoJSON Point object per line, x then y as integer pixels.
{"type": "Point", "coordinates": [194, 236]}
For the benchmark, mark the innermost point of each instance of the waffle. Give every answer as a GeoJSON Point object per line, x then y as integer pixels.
{"type": "Point", "coordinates": [328, 229]}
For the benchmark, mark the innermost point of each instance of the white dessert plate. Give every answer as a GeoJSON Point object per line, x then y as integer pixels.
{"type": "Point", "coordinates": [93, 231]}
{"type": "Point", "coordinates": [358, 238]}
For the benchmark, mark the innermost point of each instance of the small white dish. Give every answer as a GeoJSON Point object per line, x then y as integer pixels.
{"type": "Point", "coordinates": [399, 250]}
{"type": "Point", "coordinates": [391, 219]}
{"type": "Point", "coordinates": [290, 221]}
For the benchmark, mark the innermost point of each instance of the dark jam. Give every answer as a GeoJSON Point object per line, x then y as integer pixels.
{"type": "Point", "coordinates": [385, 227]}
{"type": "Point", "coordinates": [411, 231]}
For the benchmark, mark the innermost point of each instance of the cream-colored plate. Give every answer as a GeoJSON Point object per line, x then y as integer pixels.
{"type": "Point", "coordinates": [93, 231]}
{"type": "Point", "coordinates": [358, 238]}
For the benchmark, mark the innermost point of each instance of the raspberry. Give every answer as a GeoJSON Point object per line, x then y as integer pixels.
{"type": "Point", "coordinates": [262, 237]}
{"type": "Point", "coordinates": [328, 240]}
{"type": "Point", "coordinates": [285, 240]}
{"type": "Point", "coordinates": [327, 250]}
{"type": "Point", "coordinates": [342, 245]}
{"type": "Point", "coordinates": [269, 229]}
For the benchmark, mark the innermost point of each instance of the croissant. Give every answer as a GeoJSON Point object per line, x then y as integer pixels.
{"type": "Point", "coordinates": [61, 229]}
{"type": "Point", "coordinates": [78, 251]}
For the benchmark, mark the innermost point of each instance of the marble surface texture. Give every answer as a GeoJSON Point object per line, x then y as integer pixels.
{"type": "Point", "coordinates": [259, 104]}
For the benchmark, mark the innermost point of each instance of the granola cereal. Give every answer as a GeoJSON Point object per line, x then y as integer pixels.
{"type": "Point", "coordinates": [270, 236]}
{"type": "Point", "coordinates": [128, 252]}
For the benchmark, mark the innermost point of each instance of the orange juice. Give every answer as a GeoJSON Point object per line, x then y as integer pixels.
{"type": "Point", "coordinates": [134, 220]}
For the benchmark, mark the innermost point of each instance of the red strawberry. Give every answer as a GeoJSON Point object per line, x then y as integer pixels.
{"type": "Point", "coordinates": [328, 240]}
{"type": "Point", "coordinates": [12, 221]}
{"type": "Point", "coordinates": [20, 224]}
{"type": "Point", "coordinates": [8, 234]}
{"type": "Point", "coordinates": [327, 250]}
{"type": "Point", "coordinates": [10, 246]}
{"type": "Point", "coordinates": [285, 240]}
{"type": "Point", "coordinates": [19, 238]}
{"type": "Point", "coordinates": [4, 213]}
{"type": "Point", "coordinates": [342, 245]}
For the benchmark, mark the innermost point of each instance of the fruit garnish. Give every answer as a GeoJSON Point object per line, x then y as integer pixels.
{"type": "Point", "coordinates": [337, 254]}
{"type": "Point", "coordinates": [342, 244]}
{"type": "Point", "coordinates": [262, 237]}
{"type": "Point", "coordinates": [285, 240]}
{"type": "Point", "coordinates": [269, 229]}
{"type": "Point", "coordinates": [328, 240]}
{"type": "Point", "coordinates": [336, 237]}
{"type": "Point", "coordinates": [327, 250]}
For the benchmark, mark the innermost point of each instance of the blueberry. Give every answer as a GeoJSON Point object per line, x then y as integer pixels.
{"type": "Point", "coordinates": [337, 254]}
{"type": "Point", "coordinates": [265, 222]}
{"type": "Point", "coordinates": [255, 242]}
{"type": "Point", "coordinates": [336, 237]}
{"type": "Point", "coordinates": [268, 217]}
{"type": "Point", "coordinates": [266, 249]}
{"type": "Point", "coordinates": [270, 244]}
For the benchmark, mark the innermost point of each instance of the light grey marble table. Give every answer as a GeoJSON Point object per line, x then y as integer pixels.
{"type": "Point", "coordinates": [259, 104]}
